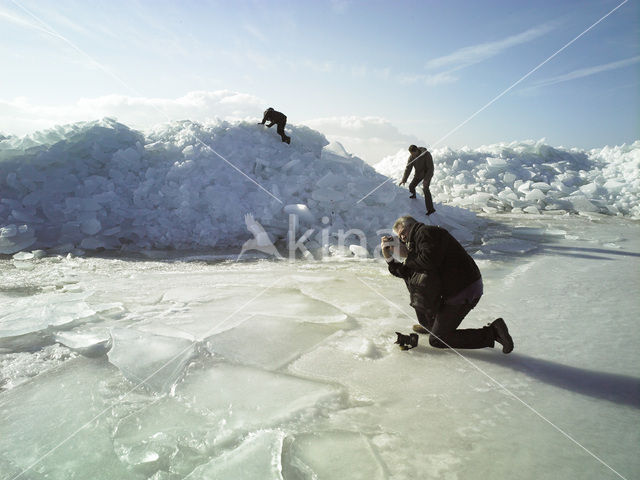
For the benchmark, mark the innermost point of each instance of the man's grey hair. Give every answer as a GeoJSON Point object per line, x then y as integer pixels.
{"type": "Point", "coordinates": [406, 221]}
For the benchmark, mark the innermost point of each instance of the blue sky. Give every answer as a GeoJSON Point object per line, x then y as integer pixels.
{"type": "Point", "coordinates": [375, 75]}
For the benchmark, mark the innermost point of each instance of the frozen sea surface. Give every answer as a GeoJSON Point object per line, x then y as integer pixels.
{"type": "Point", "coordinates": [200, 368]}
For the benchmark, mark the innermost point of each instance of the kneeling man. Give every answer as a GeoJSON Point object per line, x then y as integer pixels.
{"type": "Point", "coordinates": [444, 284]}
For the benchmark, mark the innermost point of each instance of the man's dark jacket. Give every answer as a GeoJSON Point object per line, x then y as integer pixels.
{"type": "Point", "coordinates": [425, 289]}
{"type": "Point", "coordinates": [274, 117]}
{"type": "Point", "coordinates": [422, 162]}
{"type": "Point", "coordinates": [437, 266]}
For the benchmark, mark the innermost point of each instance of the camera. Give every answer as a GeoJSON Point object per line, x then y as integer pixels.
{"type": "Point", "coordinates": [407, 341]}
{"type": "Point", "coordinates": [388, 241]}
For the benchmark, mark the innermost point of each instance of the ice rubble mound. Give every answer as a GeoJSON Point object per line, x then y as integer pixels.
{"type": "Point", "coordinates": [533, 177]}
{"type": "Point", "coordinates": [185, 185]}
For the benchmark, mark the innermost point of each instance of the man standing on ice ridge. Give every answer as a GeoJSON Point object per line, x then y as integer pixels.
{"type": "Point", "coordinates": [421, 160]}
{"type": "Point", "coordinates": [444, 285]}
{"type": "Point", "coordinates": [276, 118]}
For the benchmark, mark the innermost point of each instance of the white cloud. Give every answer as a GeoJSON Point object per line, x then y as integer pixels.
{"type": "Point", "coordinates": [20, 116]}
{"type": "Point", "coordinates": [477, 53]}
{"type": "Point", "coordinates": [370, 138]}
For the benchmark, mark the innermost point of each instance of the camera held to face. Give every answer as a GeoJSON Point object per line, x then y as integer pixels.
{"type": "Point", "coordinates": [393, 246]}
{"type": "Point", "coordinates": [389, 241]}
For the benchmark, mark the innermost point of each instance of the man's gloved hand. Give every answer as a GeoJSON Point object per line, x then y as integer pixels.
{"type": "Point", "coordinates": [386, 243]}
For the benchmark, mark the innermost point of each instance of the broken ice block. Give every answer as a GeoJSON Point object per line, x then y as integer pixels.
{"type": "Point", "coordinates": [153, 361]}
{"type": "Point", "coordinates": [269, 342]}
{"type": "Point", "coordinates": [333, 454]}
{"type": "Point", "coordinates": [257, 457]}
{"type": "Point", "coordinates": [15, 238]}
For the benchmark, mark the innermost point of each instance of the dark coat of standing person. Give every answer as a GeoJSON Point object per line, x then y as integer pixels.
{"type": "Point", "coordinates": [421, 160]}
{"type": "Point", "coordinates": [444, 284]}
{"type": "Point", "coordinates": [276, 118]}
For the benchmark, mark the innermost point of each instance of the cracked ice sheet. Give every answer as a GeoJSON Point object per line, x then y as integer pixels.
{"type": "Point", "coordinates": [270, 454]}
{"type": "Point", "coordinates": [354, 297]}
{"type": "Point", "coordinates": [254, 399]}
{"type": "Point", "coordinates": [508, 245]}
{"type": "Point", "coordinates": [257, 457]}
{"type": "Point", "coordinates": [431, 415]}
{"type": "Point", "coordinates": [216, 407]}
{"type": "Point", "coordinates": [155, 361]}
{"type": "Point", "coordinates": [333, 454]}
{"type": "Point", "coordinates": [49, 421]}
{"type": "Point", "coordinates": [167, 435]}
{"type": "Point", "coordinates": [270, 342]}
{"type": "Point", "coordinates": [28, 322]}
{"type": "Point", "coordinates": [427, 397]}
{"type": "Point", "coordinates": [35, 314]}
{"type": "Point", "coordinates": [444, 402]}
{"type": "Point", "coordinates": [20, 367]}
{"type": "Point", "coordinates": [408, 408]}
{"type": "Point", "coordinates": [200, 311]}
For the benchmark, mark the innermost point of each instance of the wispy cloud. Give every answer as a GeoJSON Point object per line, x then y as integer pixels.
{"type": "Point", "coordinates": [478, 53]}
{"type": "Point", "coordinates": [41, 25]}
{"type": "Point", "coordinates": [259, 59]}
{"type": "Point", "coordinates": [340, 6]}
{"type": "Point", "coordinates": [22, 22]}
{"type": "Point", "coordinates": [587, 72]}
{"type": "Point", "coordinates": [11, 18]}
{"type": "Point", "coordinates": [441, 69]}
{"type": "Point", "coordinates": [430, 80]}
{"type": "Point", "coordinates": [319, 66]}
{"type": "Point", "coordinates": [29, 19]}
{"type": "Point", "coordinates": [61, 22]}
{"type": "Point", "coordinates": [255, 32]}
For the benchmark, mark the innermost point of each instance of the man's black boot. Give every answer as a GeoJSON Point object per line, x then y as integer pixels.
{"type": "Point", "coordinates": [413, 195]}
{"type": "Point", "coordinates": [501, 335]}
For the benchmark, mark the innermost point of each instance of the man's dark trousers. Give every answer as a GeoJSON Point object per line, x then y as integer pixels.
{"type": "Point", "coordinates": [284, 136]}
{"type": "Point", "coordinates": [442, 328]}
{"type": "Point", "coordinates": [426, 181]}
